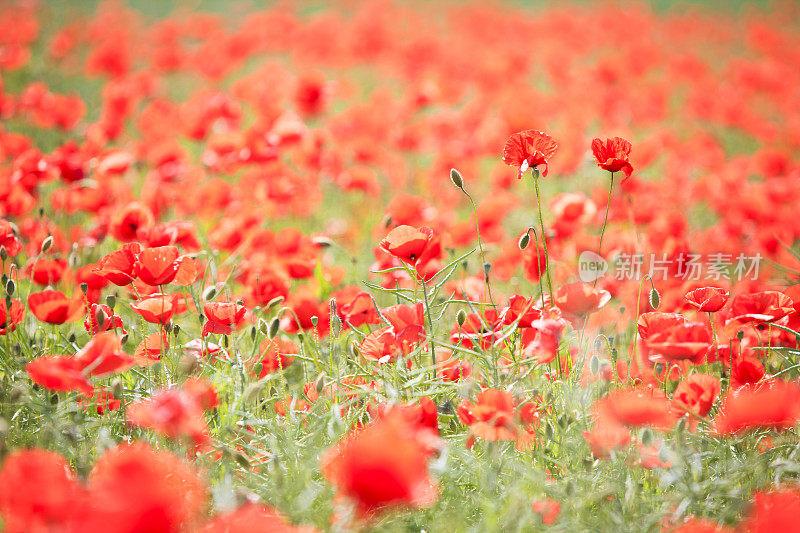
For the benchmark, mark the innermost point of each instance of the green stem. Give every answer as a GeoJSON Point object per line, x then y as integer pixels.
{"type": "Point", "coordinates": [605, 221]}
{"type": "Point", "coordinates": [544, 238]}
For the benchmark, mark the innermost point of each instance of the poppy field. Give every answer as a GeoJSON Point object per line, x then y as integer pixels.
{"type": "Point", "coordinates": [399, 266]}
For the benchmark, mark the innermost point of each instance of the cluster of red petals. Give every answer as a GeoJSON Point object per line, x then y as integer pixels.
{"type": "Point", "coordinates": [613, 155]}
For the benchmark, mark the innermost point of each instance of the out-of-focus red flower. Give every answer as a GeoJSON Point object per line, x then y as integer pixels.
{"type": "Point", "coordinates": [360, 310]}
{"type": "Point", "coordinates": [773, 405]}
{"type": "Point", "coordinates": [491, 417]}
{"type": "Point", "coordinates": [150, 349]}
{"type": "Point", "coordinates": [59, 373]}
{"type": "Point", "coordinates": [45, 271]}
{"type": "Point", "coordinates": [38, 492]}
{"type": "Point", "coordinates": [173, 413]}
{"type": "Point", "coordinates": [250, 518]}
{"type": "Point", "coordinates": [548, 509]}
{"type": "Point", "coordinates": [529, 149]}
{"type": "Point", "coordinates": [613, 154]}
{"type": "Point", "coordinates": [221, 318]}
{"type": "Point", "coordinates": [276, 354]}
{"type": "Point", "coordinates": [696, 395]}
{"type": "Point", "coordinates": [747, 370]}
{"type": "Point", "coordinates": [103, 355]}
{"type": "Point", "coordinates": [687, 340]}
{"type": "Point", "coordinates": [636, 408]}
{"type": "Point", "coordinates": [131, 219]}
{"type": "Point", "coordinates": [54, 307]}
{"type": "Point", "coordinates": [10, 316]}
{"type": "Point", "coordinates": [578, 300]}
{"type": "Point", "coordinates": [381, 467]}
{"type": "Point", "coordinates": [708, 299]}
{"type": "Point", "coordinates": [8, 239]}
{"type": "Point", "coordinates": [701, 525]}
{"type": "Point", "coordinates": [772, 511]}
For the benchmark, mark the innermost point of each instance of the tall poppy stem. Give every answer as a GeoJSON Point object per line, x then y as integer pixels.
{"type": "Point", "coordinates": [605, 221]}
{"type": "Point", "coordinates": [544, 238]}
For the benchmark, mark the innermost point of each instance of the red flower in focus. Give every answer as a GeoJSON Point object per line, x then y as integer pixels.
{"type": "Point", "coordinates": [156, 308]}
{"type": "Point", "coordinates": [548, 509]}
{"type": "Point", "coordinates": [529, 149]}
{"type": "Point", "coordinates": [758, 308]}
{"type": "Point", "coordinates": [696, 395]}
{"type": "Point", "coordinates": [747, 370]}
{"type": "Point", "coordinates": [360, 310]}
{"type": "Point", "coordinates": [708, 299]}
{"type": "Point", "coordinates": [157, 266]}
{"type": "Point", "coordinates": [37, 492]}
{"type": "Point", "coordinates": [612, 155]}
{"type": "Point", "coordinates": [119, 266]}
{"type": "Point", "coordinates": [10, 316]}
{"type": "Point", "coordinates": [407, 243]}
{"type": "Point", "coordinates": [578, 300]}
{"type": "Point", "coordinates": [381, 467]}
{"type": "Point", "coordinates": [775, 405]}
{"type": "Point", "coordinates": [221, 318]}
{"type": "Point", "coordinates": [381, 346]}
{"type": "Point", "coordinates": [54, 307]}
{"type": "Point", "coordinates": [59, 373]}
{"type": "Point", "coordinates": [687, 340]}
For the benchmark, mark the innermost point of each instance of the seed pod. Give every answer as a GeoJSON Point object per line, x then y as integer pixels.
{"type": "Point", "coordinates": [124, 339]}
{"type": "Point", "coordinates": [111, 301]}
{"type": "Point", "coordinates": [314, 320]}
{"type": "Point", "coordinates": [85, 287]}
{"type": "Point", "coordinates": [486, 268]}
{"type": "Point", "coordinates": [524, 241]}
{"type": "Point", "coordinates": [72, 338]}
{"type": "Point", "coordinates": [176, 329]}
{"type": "Point", "coordinates": [274, 328]}
{"type": "Point", "coordinates": [47, 243]}
{"type": "Point", "coordinates": [336, 325]}
{"type": "Point", "coordinates": [461, 317]}
{"type": "Point", "coordinates": [3, 253]}
{"type": "Point", "coordinates": [455, 177]}
{"type": "Point", "coordinates": [740, 335]}
{"type": "Point", "coordinates": [655, 298]}
{"type": "Point", "coordinates": [117, 389]}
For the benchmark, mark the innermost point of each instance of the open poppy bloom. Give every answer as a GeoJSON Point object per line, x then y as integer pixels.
{"type": "Point", "coordinates": [529, 149]}
{"type": "Point", "coordinates": [708, 299]}
{"type": "Point", "coordinates": [381, 467]}
{"type": "Point", "coordinates": [59, 373]}
{"type": "Point", "coordinates": [636, 408]}
{"type": "Point", "coordinates": [358, 311]}
{"type": "Point", "coordinates": [407, 243]}
{"type": "Point", "coordinates": [687, 340]}
{"type": "Point", "coordinates": [758, 308]}
{"type": "Point", "coordinates": [221, 318]}
{"type": "Point", "coordinates": [103, 355]}
{"type": "Point", "coordinates": [491, 417]}
{"type": "Point", "coordinates": [578, 300]}
{"type": "Point", "coordinates": [612, 155]}
{"type": "Point", "coordinates": [696, 395]}
{"type": "Point", "coordinates": [548, 509]}
{"type": "Point", "coordinates": [54, 307]}
{"type": "Point", "coordinates": [156, 308]}
{"type": "Point", "coordinates": [102, 318]}
{"type": "Point", "coordinates": [157, 266]}
{"type": "Point", "coordinates": [119, 266]}
{"type": "Point", "coordinates": [252, 517]}
{"type": "Point", "coordinates": [150, 349]}
{"type": "Point", "coordinates": [775, 405]}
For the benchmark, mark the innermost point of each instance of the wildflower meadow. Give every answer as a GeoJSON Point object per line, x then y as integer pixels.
{"type": "Point", "coordinates": [396, 266]}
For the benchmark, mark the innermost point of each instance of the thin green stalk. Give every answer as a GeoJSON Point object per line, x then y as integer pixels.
{"type": "Point", "coordinates": [544, 238]}
{"type": "Point", "coordinates": [605, 221]}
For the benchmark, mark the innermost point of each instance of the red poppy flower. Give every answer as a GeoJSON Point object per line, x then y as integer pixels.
{"type": "Point", "coordinates": [59, 373]}
{"type": "Point", "coordinates": [491, 417]}
{"type": "Point", "coordinates": [360, 310]}
{"type": "Point", "coordinates": [119, 266]}
{"type": "Point", "coordinates": [696, 394]}
{"type": "Point", "coordinates": [548, 509]}
{"type": "Point", "coordinates": [775, 405]}
{"type": "Point", "coordinates": [250, 518]}
{"type": "Point", "coordinates": [381, 467]}
{"type": "Point", "coordinates": [54, 307]}
{"type": "Point", "coordinates": [276, 354]}
{"type": "Point", "coordinates": [10, 316]}
{"type": "Point", "coordinates": [156, 308]}
{"type": "Point", "coordinates": [451, 368]}
{"type": "Point", "coordinates": [607, 436]}
{"type": "Point", "coordinates": [202, 391]}
{"type": "Point", "coordinates": [46, 271]}
{"type": "Point", "coordinates": [131, 219]}
{"type": "Point", "coordinates": [38, 492]}
{"type": "Point", "coordinates": [772, 511]}
{"type": "Point", "coordinates": [526, 310]}
{"type": "Point", "coordinates": [529, 149]}
{"type": "Point", "coordinates": [578, 300]}
{"type": "Point", "coordinates": [172, 413]}
{"type": "Point", "coordinates": [708, 299]}
{"type": "Point", "coordinates": [381, 346]}
{"type": "Point", "coordinates": [157, 266]}
{"type": "Point", "coordinates": [8, 239]}
{"type": "Point", "coordinates": [407, 322]}
{"type": "Point", "coordinates": [407, 243]}
{"type": "Point", "coordinates": [102, 318]}
{"type": "Point", "coordinates": [758, 308]}
{"type": "Point", "coordinates": [103, 355]}
{"type": "Point", "coordinates": [747, 370]}
{"type": "Point", "coordinates": [150, 349]}
{"type": "Point", "coordinates": [542, 339]}
{"type": "Point", "coordinates": [688, 340]}
{"type": "Point", "coordinates": [612, 155]}
{"type": "Point", "coordinates": [636, 408]}
{"type": "Point", "coordinates": [221, 318]}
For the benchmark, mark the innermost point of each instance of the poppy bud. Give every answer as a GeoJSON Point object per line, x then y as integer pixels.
{"type": "Point", "coordinates": [189, 365]}
{"type": "Point", "coordinates": [524, 241]}
{"type": "Point", "coordinates": [275, 301]}
{"type": "Point", "coordinates": [10, 287]}
{"type": "Point", "coordinates": [84, 287]}
{"type": "Point", "coordinates": [486, 268]}
{"type": "Point", "coordinates": [274, 327]}
{"type": "Point", "coordinates": [461, 317]}
{"type": "Point", "coordinates": [117, 389]}
{"type": "Point", "coordinates": [336, 325]}
{"type": "Point", "coordinates": [124, 339]}
{"type": "Point", "coordinates": [319, 385]}
{"type": "Point", "coordinates": [740, 335]}
{"type": "Point", "coordinates": [455, 177]}
{"type": "Point", "coordinates": [681, 427]}
{"type": "Point", "coordinates": [111, 301]}
{"type": "Point", "coordinates": [72, 338]}
{"type": "Point", "coordinates": [47, 243]}
{"type": "Point", "coordinates": [598, 344]}
{"type": "Point", "coordinates": [262, 326]}
{"type": "Point", "coordinates": [168, 327]}
{"type": "Point", "coordinates": [647, 437]}
{"type": "Point", "coordinates": [210, 293]}
{"type": "Point", "coordinates": [225, 341]}
{"type": "Point", "coordinates": [594, 365]}
{"type": "Point", "coordinates": [314, 321]}
{"type": "Point", "coordinates": [8, 302]}
{"type": "Point", "coordinates": [242, 460]}
{"type": "Point", "coordinates": [100, 317]}
{"type": "Point", "coordinates": [655, 298]}
{"type": "Point", "coordinates": [3, 253]}
{"type": "Point", "coordinates": [253, 332]}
